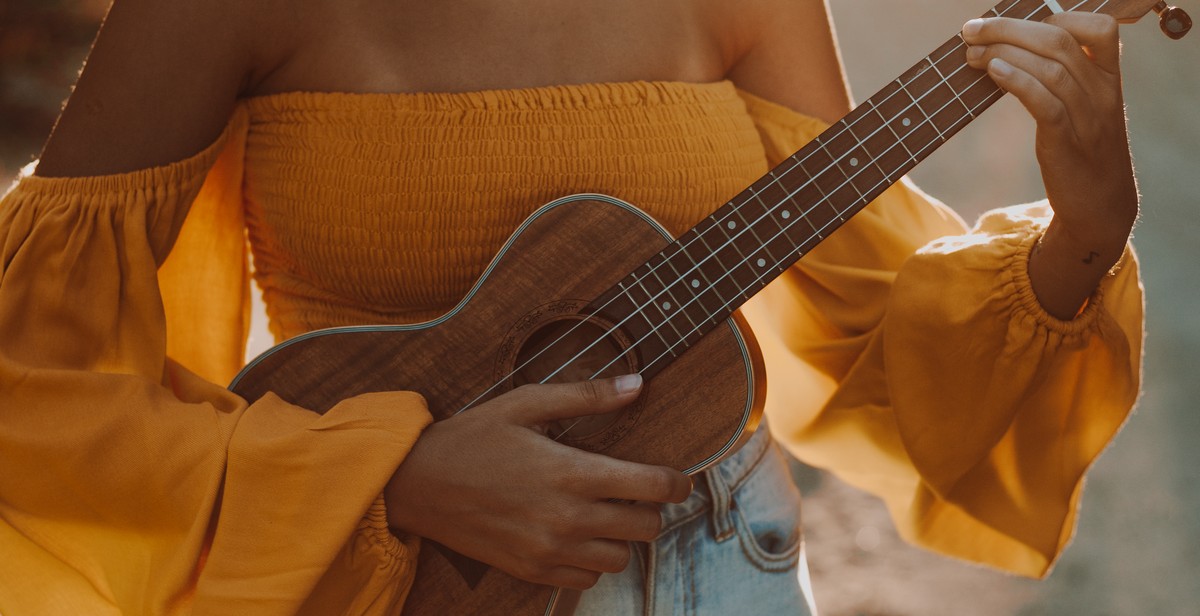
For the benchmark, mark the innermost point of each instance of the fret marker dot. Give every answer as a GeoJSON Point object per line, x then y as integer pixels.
{"type": "Point", "coordinates": [906, 122]}
{"type": "Point", "coordinates": [762, 262]}
{"type": "Point", "coordinates": [732, 225]}
{"type": "Point", "coordinates": [695, 283]}
{"type": "Point", "coordinates": [666, 305]}
{"type": "Point", "coordinates": [853, 162]}
{"type": "Point", "coordinates": [786, 214]}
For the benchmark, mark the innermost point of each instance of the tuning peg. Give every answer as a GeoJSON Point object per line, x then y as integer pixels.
{"type": "Point", "coordinates": [1173, 20]}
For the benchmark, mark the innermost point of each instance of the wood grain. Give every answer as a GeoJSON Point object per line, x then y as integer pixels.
{"type": "Point", "coordinates": [690, 414]}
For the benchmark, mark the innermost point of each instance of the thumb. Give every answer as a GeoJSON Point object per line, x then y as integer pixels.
{"type": "Point", "coordinates": [537, 404]}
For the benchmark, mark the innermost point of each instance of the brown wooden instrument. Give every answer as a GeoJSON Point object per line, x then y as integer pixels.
{"type": "Point", "coordinates": [590, 286]}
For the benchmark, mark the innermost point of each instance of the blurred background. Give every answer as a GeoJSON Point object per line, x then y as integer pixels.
{"type": "Point", "coordinates": [1137, 549]}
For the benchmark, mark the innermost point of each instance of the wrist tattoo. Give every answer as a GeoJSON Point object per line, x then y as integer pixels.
{"type": "Point", "coordinates": [1091, 256]}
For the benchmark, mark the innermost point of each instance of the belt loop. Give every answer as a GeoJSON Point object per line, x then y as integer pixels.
{"type": "Point", "coordinates": [718, 490]}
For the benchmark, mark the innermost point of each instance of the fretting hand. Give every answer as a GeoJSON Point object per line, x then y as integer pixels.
{"type": "Point", "coordinates": [1066, 72]}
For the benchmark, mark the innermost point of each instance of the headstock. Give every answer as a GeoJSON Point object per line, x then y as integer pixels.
{"type": "Point", "coordinates": [1173, 21]}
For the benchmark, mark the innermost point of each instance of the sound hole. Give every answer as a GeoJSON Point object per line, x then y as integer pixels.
{"type": "Point", "coordinates": [569, 350]}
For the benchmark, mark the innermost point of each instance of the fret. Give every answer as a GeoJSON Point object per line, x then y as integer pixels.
{"type": "Point", "coordinates": [647, 305]}
{"type": "Point", "coordinates": [891, 108]}
{"type": "Point", "coordinates": [782, 216]}
{"type": "Point", "coordinates": [729, 229]}
{"type": "Point", "coordinates": [851, 160]}
{"type": "Point", "coordinates": [929, 95]}
{"type": "Point", "coordinates": [757, 217]}
{"type": "Point", "coordinates": [949, 86]}
{"type": "Point", "coordinates": [668, 258]}
{"type": "Point", "coordinates": [814, 187]}
{"type": "Point", "coordinates": [922, 131]}
{"type": "Point", "coordinates": [670, 305]}
{"type": "Point", "coordinates": [749, 273]}
{"type": "Point", "coordinates": [787, 214]}
{"type": "Point", "coordinates": [1001, 9]}
{"type": "Point", "coordinates": [720, 284]}
{"type": "Point", "coordinates": [769, 190]}
{"type": "Point", "coordinates": [622, 310]}
{"type": "Point", "coordinates": [698, 281]}
{"type": "Point", "coordinates": [691, 306]}
{"type": "Point", "coordinates": [877, 139]}
{"type": "Point", "coordinates": [873, 144]}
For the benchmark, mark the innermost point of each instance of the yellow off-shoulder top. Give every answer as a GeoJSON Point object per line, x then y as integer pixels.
{"type": "Point", "coordinates": [907, 353]}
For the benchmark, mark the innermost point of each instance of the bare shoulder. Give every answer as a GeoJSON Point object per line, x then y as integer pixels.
{"type": "Point", "coordinates": [785, 51]}
{"type": "Point", "coordinates": [160, 83]}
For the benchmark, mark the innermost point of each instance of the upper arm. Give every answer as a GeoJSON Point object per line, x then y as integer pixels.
{"type": "Point", "coordinates": [789, 56]}
{"type": "Point", "coordinates": [159, 85]}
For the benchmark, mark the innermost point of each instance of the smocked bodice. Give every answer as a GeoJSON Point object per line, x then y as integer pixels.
{"type": "Point", "coordinates": [373, 208]}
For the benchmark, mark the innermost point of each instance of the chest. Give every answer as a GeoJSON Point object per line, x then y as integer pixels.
{"type": "Point", "coordinates": [387, 208]}
{"type": "Point", "coordinates": [470, 45]}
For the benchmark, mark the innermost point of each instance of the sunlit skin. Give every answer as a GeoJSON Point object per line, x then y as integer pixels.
{"type": "Point", "coordinates": [164, 76]}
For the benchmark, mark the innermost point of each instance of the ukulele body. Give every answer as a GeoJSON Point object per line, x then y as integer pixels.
{"type": "Point", "coordinates": [525, 318]}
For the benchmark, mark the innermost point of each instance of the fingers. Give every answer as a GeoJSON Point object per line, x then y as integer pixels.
{"type": "Point", "coordinates": [601, 555]}
{"type": "Point", "coordinates": [625, 521]}
{"type": "Point", "coordinates": [1050, 94]}
{"type": "Point", "coordinates": [1061, 36]}
{"type": "Point", "coordinates": [621, 480]}
{"type": "Point", "coordinates": [612, 525]}
{"type": "Point", "coordinates": [1097, 33]}
{"type": "Point", "coordinates": [1043, 39]}
{"type": "Point", "coordinates": [1065, 87]}
{"type": "Point", "coordinates": [537, 404]}
{"type": "Point", "coordinates": [565, 577]}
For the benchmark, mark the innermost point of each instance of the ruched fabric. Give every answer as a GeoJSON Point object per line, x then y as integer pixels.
{"type": "Point", "coordinates": [910, 356]}
{"type": "Point", "coordinates": [129, 484]}
{"type": "Point", "coordinates": [906, 353]}
{"type": "Point", "coordinates": [386, 208]}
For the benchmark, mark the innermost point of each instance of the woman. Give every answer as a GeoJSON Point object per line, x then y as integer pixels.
{"type": "Point", "coordinates": [134, 485]}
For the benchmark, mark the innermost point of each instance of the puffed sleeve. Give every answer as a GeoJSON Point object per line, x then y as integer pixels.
{"type": "Point", "coordinates": [909, 355]}
{"type": "Point", "coordinates": [131, 484]}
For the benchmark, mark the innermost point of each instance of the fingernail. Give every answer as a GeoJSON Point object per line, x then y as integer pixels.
{"type": "Point", "coordinates": [975, 52]}
{"type": "Point", "coordinates": [971, 28]}
{"type": "Point", "coordinates": [1000, 67]}
{"type": "Point", "coordinates": [628, 383]}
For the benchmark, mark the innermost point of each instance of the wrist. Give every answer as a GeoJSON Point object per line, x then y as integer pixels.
{"type": "Point", "coordinates": [1065, 267]}
{"type": "Point", "coordinates": [400, 498]}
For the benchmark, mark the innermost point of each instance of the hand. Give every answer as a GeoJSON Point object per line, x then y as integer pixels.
{"type": "Point", "coordinates": [1066, 72]}
{"type": "Point", "coordinates": [489, 484]}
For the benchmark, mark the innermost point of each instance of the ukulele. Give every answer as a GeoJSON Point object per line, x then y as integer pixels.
{"type": "Point", "coordinates": [590, 287]}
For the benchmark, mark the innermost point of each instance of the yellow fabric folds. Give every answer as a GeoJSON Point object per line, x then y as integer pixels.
{"type": "Point", "coordinates": [906, 353]}
{"type": "Point", "coordinates": [121, 468]}
{"type": "Point", "coordinates": [935, 380]}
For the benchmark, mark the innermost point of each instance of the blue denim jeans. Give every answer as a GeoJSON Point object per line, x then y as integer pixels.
{"type": "Point", "coordinates": [734, 546]}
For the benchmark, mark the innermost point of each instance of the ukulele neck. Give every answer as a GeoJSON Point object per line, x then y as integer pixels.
{"type": "Point", "coordinates": [698, 281]}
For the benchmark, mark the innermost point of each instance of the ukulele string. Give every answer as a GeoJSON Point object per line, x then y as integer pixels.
{"type": "Point", "coordinates": [998, 93]}
{"type": "Point", "coordinates": [988, 100]}
{"type": "Point", "coordinates": [735, 210]}
{"type": "Point", "coordinates": [682, 339]}
{"type": "Point", "coordinates": [653, 269]}
{"type": "Point", "coordinates": [730, 240]}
